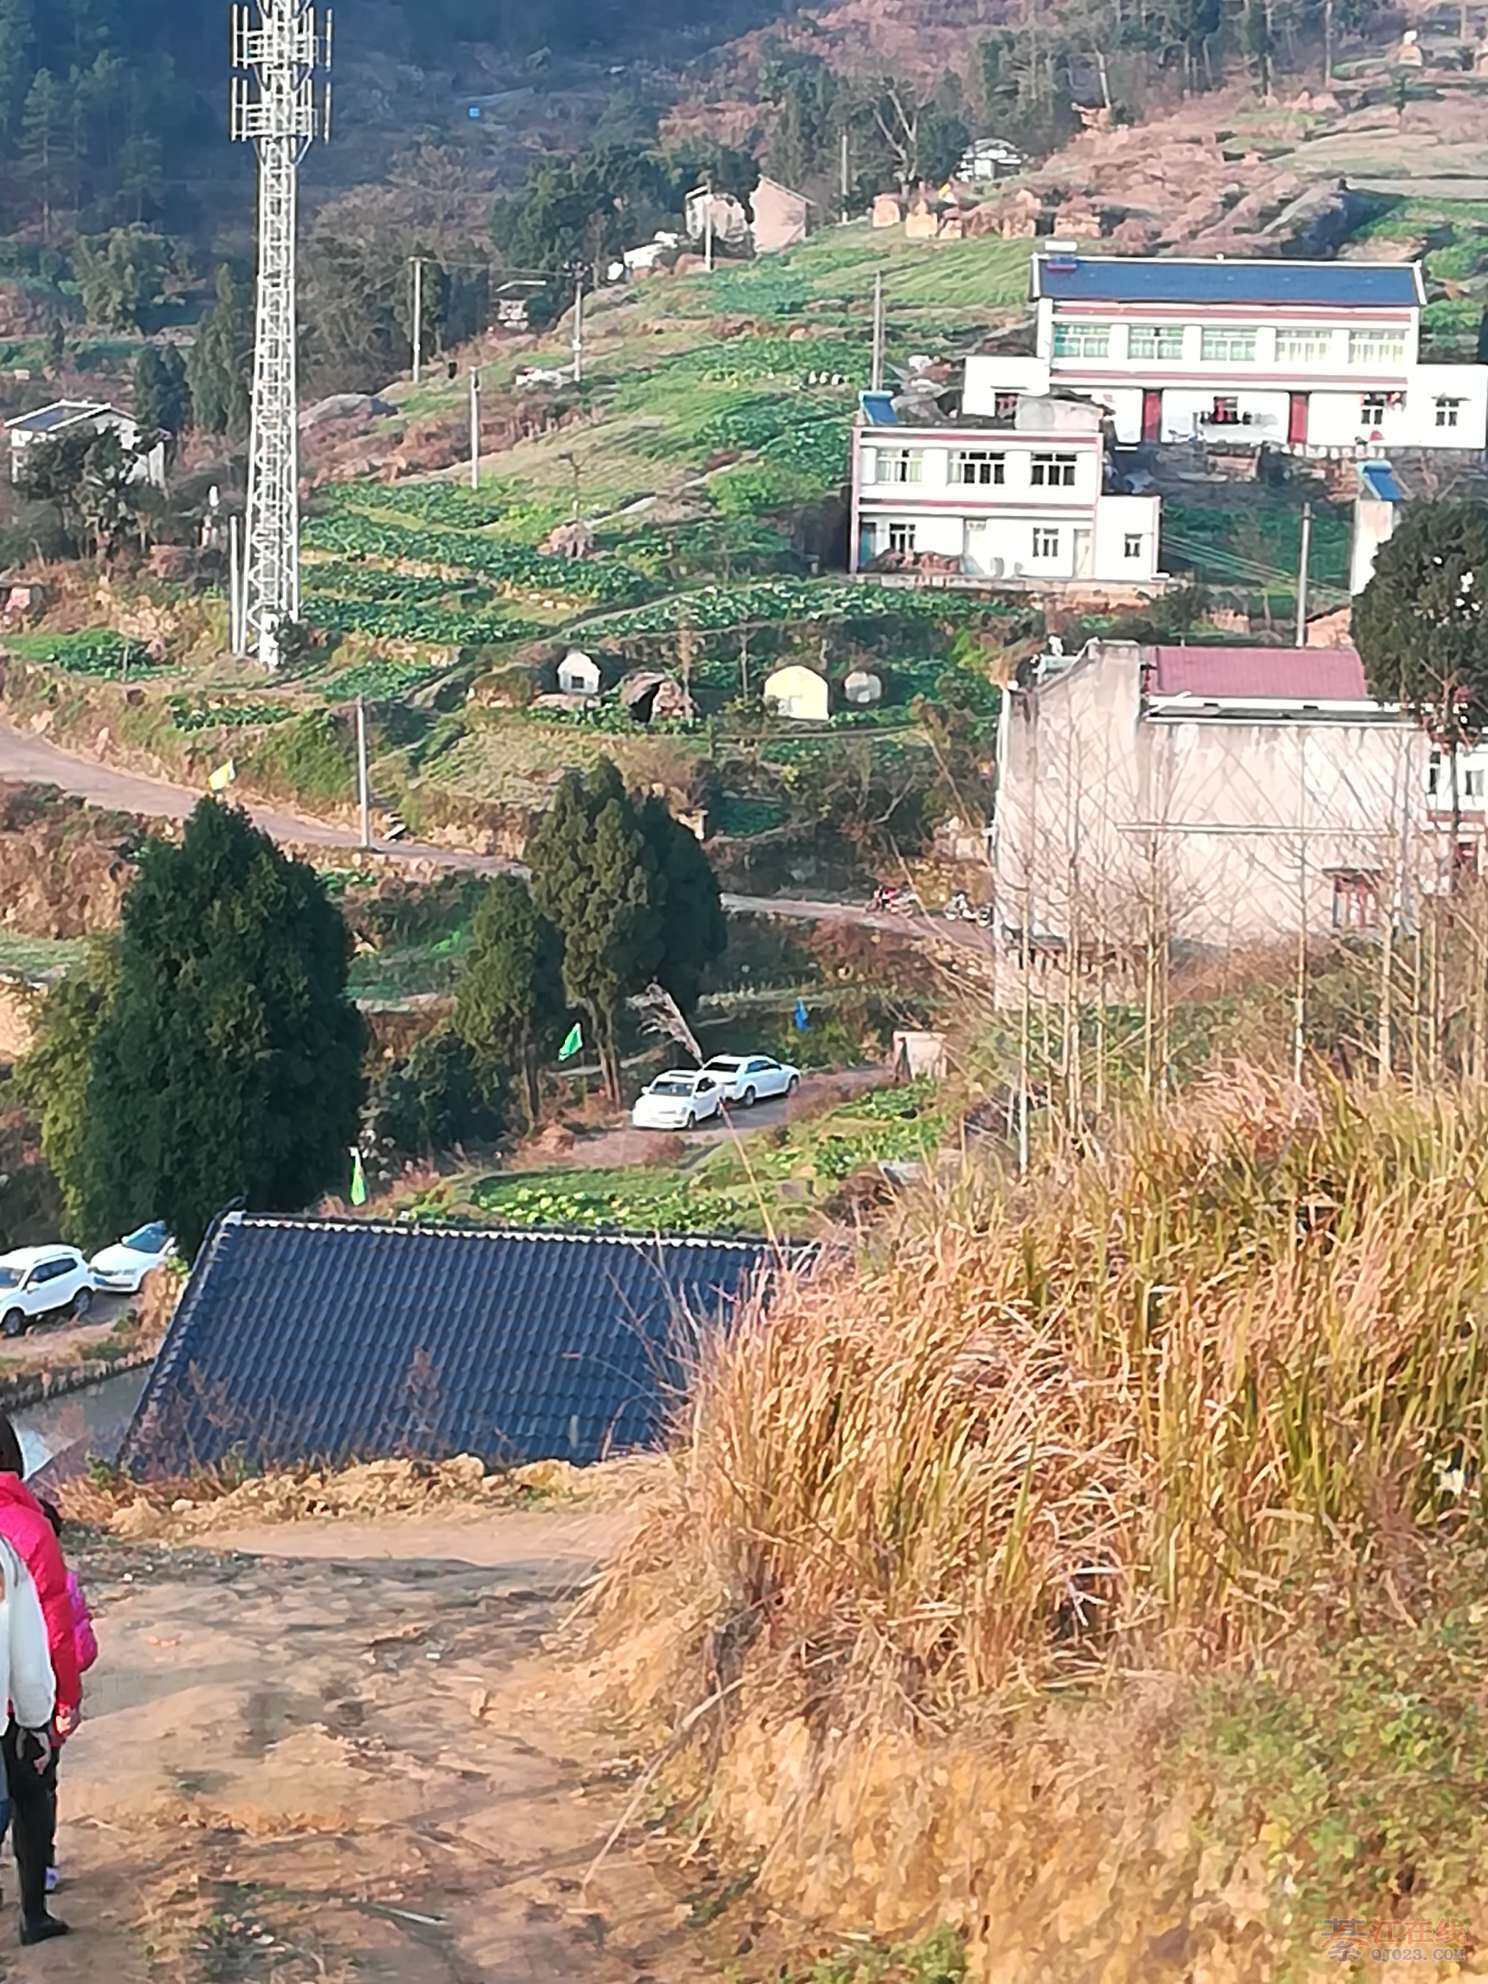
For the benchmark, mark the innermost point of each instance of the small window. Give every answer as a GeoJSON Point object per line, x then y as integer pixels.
{"type": "Point", "coordinates": [1155, 341]}
{"type": "Point", "coordinates": [1448, 412]}
{"type": "Point", "coordinates": [901, 537]}
{"type": "Point", "coordinates": [1053, 471]}
{"type": "Point", "coordinates": [979, 466]}
{"type": "Point", "coordinates": [1225, 412]}
{"type": "Point", "coordinates": [1303, 347]}
{"type": "Point", "coordinates": [1005, 406]}
{"type": "Point", "coordinates": [1228, 347]}
{"type": "Point", "coordinates": [1376, 347]}
{"type": "Point", "coordinates": [1372, 409]}
{"type": "Point", "coordinates": [1472, 785]}
{"type": "Point", "coordinates": [1082, 340]}
{"type": "Point", "coordinates": [1356, 899]}
{"type": "Point", "coordinates": [1045, 541]}
{"type": "Point", "coordinates": [1132, 544]}
{"type": "Point", "coordinates": [898, 464]}
{"type": "Point", "coordinates": [1434, 774]}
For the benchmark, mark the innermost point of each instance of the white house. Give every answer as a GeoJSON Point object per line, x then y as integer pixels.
{"type": "Point", "coordinates": [988, 158]}
{"type": "Point", "coordinates": [1314, 358]}
{"type": "Point", "coordinates": [578, 674]}
{"type": "Point", "coordinates": [49, 423]}
{"type": "Point", "coordinates": [1017, 497]}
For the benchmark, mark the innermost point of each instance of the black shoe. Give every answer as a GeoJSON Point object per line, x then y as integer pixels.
{"type": "Point", "coordinates": [41, 1929]}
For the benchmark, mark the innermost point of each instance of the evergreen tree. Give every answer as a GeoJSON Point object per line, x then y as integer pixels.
{"type": "Point", "coordinates": [220, 368]}
{"type": "Point", "coordinates": [594, 877]}
{"type": "Point", "coordinates": [48, 153]}
{"type": "Point", "coordinates": [694, 927]}
{"type": "Point", "coordinates": [229, 1062]}
{"type": "Point", "coordinates": [121, 276]}
{"type": "Point", "coordinates": [53, 1078]}
{"type": "Point", "coordinates": [17, 39]}
{"type": "Point", "coordinates": [1421, 625]}
{"type": "Point", "coordinates": [162, 397]}
{"type": "Point", "coordinates": [509, 1003]}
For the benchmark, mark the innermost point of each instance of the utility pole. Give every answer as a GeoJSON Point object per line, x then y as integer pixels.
{"type": "Point", "coordinates": [845, 181]}
{"type": "Point", "coordinates": [578, 330]}
{"type": "Point", "coordinates": [234, 590]}
{"type": "Point", "coordinates": [418, 318]}
{"type": "Point", "coordinates": [1302, 575]}
{"type": "Point", "coordinates": [474, 427]}
{"type": "Point", "coordinates": [363, 792]}
{"type": "Point", "coordinates": [708, 227]}
{"type": "Point", "coordinates": [878, 333]}
{"type": "Point", "coordinates": [274, 108]}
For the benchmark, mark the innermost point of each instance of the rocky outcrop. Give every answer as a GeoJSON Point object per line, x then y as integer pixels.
{"type": "Point", "coordinates": [64, 867]}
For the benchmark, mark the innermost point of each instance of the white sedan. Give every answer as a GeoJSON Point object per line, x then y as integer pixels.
{"type": "Point", "coordinates": [678, 1101]}
{"type": "Point", "coordinates": [751, 1078]}
{"type": "Point", "coordinates": [121, 1269]}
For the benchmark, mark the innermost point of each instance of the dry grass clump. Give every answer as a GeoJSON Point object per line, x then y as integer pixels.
{"type": "Point", "coordinates": [1154, 1411]}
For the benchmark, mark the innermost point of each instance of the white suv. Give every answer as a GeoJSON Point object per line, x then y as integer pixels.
{"type": "Point", "coordinates": [37, 1281]}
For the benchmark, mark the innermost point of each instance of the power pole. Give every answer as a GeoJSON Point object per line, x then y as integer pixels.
{"type": "Point", "coordinates": [274, 108]}
{"type": "Point", "coordinates": [234, 590]}
{"type": "Point", "coordinates": [708, 229]}
{"type": "Point", "coordinates": [844, 175]}
{"type": "Point", "coordinates": [578, 331]}
{"type": "Point", "coordinates": [418, 317]}
{"type": "Point", "coordinates": [1302, 575]}
{"type": "Point", "coordinates": [474, 428]}
{"type": "Point", "coordinates": [363, 793]}
{"type": "Point", "coordinates": [878, 333]}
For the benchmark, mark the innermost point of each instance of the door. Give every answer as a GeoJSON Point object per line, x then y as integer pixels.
{"type": "Point", "coordinates": [1151, 415]}
{"type": "Point", "coordinates": [1082, 553]}
{"type": "Point", "coordinates": [1297, 421]}
{"type": "Point", "coordinates": [767, 1078]}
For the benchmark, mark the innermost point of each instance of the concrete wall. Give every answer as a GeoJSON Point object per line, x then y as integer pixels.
{"type": "Point", "coordinates": [1229, 826]}
{"type": "Point", "coordinates": [988, 375]}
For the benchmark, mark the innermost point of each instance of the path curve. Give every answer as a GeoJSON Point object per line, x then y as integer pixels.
{"type": "Point", "coordinates": [33, 759]}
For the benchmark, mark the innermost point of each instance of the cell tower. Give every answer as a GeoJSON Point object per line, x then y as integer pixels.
{"type": "Point", "coordinates": [274, 107]}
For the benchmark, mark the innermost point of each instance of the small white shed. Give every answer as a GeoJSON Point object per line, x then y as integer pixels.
{"type": "Point", "coordinates": [578, 674]}
{"type": "Point", "coordinates": [800, 693]}
{"type": "Point", "coordinates": [863, 688]}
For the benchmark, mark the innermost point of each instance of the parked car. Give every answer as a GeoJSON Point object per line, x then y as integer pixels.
{"type": "Point", "coordinates": [121, 1269]}
{"type": "Point", "coordinates": [678, 1101]}
{"type": "Point", "coordinates": [751, 1078]}
{"type": "Point", "coordinates": [38, 1281]}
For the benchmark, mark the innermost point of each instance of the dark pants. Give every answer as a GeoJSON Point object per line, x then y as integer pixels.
{"type": "Point", "coordinates": [33, 1797]}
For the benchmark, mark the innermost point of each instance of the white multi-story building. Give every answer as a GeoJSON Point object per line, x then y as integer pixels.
{"type": "Point", "coordinates": [1315, 358]}
{"type": "Point", "coordinates": [1018, 497]}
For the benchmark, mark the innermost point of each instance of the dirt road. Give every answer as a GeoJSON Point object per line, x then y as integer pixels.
{"type": "Point", "coordinates": [23, 755]}
{"type": "Point", "coordinates": [338, 1753]}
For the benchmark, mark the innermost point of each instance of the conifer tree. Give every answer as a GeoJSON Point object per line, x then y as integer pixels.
{"type": "Point", "coordinates": [221, 364]}
{"type": "Point", "coordinates": [509, 1000]}
{"type": "Point", "coordinates": [694, 928]}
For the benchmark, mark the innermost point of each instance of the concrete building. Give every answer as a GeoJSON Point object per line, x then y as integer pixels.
{"type": "Point", "coordinates": [729, 220]}
{"type": "Point", "coordinates": [65, 417]}
{"type": "Point", "coordinates": [1377, 511]}
{"type": "Point", "coordinates": [1221, 795]}
{"type": "Point", "coordinates": [1313, 358]}
{"type": "Point", "coordinates": [778, 217]}
{"type": "Point", "coordinates": [1018, 496]}
{"type": "Point", "coordinates": [578, 674]}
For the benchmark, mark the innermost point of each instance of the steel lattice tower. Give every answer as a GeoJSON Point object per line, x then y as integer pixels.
{"type": "Point", "coordinates": [274, 107]}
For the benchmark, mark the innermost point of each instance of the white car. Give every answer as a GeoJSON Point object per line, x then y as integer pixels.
{"type": "Point", "coordinates": [121, 1269]}
{"type": "Point", "coordinates": [38, 1281]}
{"type": "Point", "coordinates": [751, 1078]}
{"type": "Point", "coordinates": [678, 1101]}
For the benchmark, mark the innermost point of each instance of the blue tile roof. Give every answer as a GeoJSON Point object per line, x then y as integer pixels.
{"type": "Point", "coordinates": [1334, 285]}
{"type": "Point", "coordinates": [328, 1341]}
{"type": "Point", "coordinates": [1379, 481]}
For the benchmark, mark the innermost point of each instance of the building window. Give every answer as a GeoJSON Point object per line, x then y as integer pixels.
{"type": "Point", "coordinates": [1082, 340]}
{"type": "Point", "coordinates": [1228, 347]}
{"type": "Point", "coordinates": [898, 464]}
{"type": "Point", "coordinates": [1472, 785]}
{"type": "Point", "coordinates": [1045, 541]}
{"type": "Point", "coordinates": [1376, 347]}
{"type": "Point", "coordinates": [1155, 341]}
{"type": "Point", "coordinates": [1005, 406]}
{"type": "Point", "coordinates": [1132, 544]}
{"type": "Point", "coordinates": [1226, 410]}
{"type": "Point", "coordinates": [1448, 412]}
{"type": "Point", "coordinates": [1304, 347]}
{"type": "Point", "coordinates": [1356, 899]}
{"type": "Point", "coordinates": [901, 537]}
{"type": "Point", "coordinates": [1053, 471]}
{"type": "Point", "coordinates": [980, 466]}
{"type": "Point", "coordinates": [1372, 409]}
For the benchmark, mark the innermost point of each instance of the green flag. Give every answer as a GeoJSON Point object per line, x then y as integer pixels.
{"type": "Point", "coordinates": [572, 1043]}
{"type": "Point", "coordinates": [358, 1180]}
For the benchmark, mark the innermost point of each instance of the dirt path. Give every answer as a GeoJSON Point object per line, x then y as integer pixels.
{"type": "Point", "coordinates": [326, 1752]}
{"type": "Point", "coordinates": [23, 755]}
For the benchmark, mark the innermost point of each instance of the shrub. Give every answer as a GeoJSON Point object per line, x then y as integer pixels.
{"type": "Point", "coordinates": [441, 1095]}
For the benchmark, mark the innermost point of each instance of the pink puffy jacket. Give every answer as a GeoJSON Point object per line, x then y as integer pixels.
{"type": "Point", "coordinates": [84, 1639]}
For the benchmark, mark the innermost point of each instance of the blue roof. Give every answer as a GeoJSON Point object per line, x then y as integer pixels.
{"type": "Point", "coordinates": [879, 408]}
{"type": "Point", "coordinates": [1379, 481]}
{"type": "Point", "coordinates": [327, 1341]}
{"type": "Point", "coordinates": [1340, 285]}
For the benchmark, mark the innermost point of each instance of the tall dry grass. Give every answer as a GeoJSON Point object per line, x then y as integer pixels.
{"type": "Point", "coordinates": [1158, 1408]}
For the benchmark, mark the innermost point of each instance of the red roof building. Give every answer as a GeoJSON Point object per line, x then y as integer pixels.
{"type": "Point", "coordinates": [1283, 675]}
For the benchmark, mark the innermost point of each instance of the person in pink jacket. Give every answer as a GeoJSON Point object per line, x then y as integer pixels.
{"type": "Point", "coordinates": [85, 1646]}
